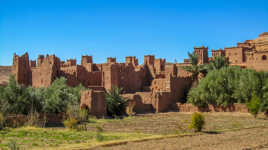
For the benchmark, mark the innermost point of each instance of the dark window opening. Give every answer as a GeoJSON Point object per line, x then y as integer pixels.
{"type": "Point", "coordinates": [264, 57]}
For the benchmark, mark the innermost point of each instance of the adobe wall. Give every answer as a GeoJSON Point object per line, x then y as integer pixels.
{"type": "Point", "coordinates": [191, 108]}
{"type": "Point", "coordinates": [216, 53]}
{"type": "Point", "coordinates": [21, 69]}
{"type": "Point", "coordinates": [257, 61]}
{"type": "Point", "coordinates": [47, 71]}
{"type": "Point", "coordinates": [202, 53]}
{"type": "Point", "coordinates": [235, 55]}
{"type": "Point", "coordinates": [143, 101]}
{"type": "Point", "coordinates": [94, 101]}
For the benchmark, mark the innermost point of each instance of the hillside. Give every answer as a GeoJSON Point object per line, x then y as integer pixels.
{"type": "Point", "coordinates": [5, 71]}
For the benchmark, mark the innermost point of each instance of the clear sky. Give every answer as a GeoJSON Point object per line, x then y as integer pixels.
{"type": "Point", "coordinates": [103, 28]}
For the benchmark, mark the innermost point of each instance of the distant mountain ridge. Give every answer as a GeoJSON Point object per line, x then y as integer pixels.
{"type": "Point", "coordinates": [5, 72]}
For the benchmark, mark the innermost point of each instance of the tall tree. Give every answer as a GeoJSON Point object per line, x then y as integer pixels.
{"type": "Point", "coordinates": [194, 68]}
{"type": "Point", "coordinates": [217, 63]}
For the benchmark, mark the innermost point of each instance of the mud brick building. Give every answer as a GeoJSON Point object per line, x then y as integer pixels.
{"type": "Point", "coordinates": [155, 86]}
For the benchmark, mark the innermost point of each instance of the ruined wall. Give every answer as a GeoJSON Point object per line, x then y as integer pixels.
{"type": "Point", "coordinates": [143, 101]}
{"type": "Point", "coordinates": [47, 71]}
{"type": "Point", "coordinates": [94, 101]}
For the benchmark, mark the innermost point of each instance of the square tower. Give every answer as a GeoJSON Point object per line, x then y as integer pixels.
{"type": "Point", "coordinates": [202, 53]}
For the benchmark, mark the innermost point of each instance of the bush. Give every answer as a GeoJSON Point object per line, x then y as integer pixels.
{"type": "Point", "coordinates": [2, 121]}
{"type": "Point", "coordinates": [254, 105]}
{"type": "Point", "coordinates": [71, 123]}
{"type": "Point", "coordinates": [58, 96]}
{"type": "Point", "coordinates": [15, 98]}
{"type": "Point", "coordinates": [197, 122]}
{"type": "Point", "coordinates": [116, 104]}
{"type": "Point", "coordinates": [73, 111]}
{"type": "Point", "coordinates": [12, 145]}
{"type": "Point", "coordinates": [19, 99]}
{"type": "Point", "coordinates": [229, 85]}
{"type": "Point", "coordinates": [33, 119]}
{"type": "Point", "coordinates": [99, 136]}
{"type": "Point", "coordinates": [83, 115]}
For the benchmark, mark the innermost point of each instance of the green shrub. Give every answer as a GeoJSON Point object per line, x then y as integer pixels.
{"type": "Point", "coordinates": [99, 137]}
{"type": "Point", "coordinates": [217, 63]}
{"type": "Point", "coordinates": [254, 105]}
{"type": "Point", "coordinates": [12, 145]}
{"type": "Point", "coordinates": [116, 104]}
{"type": "Point", "coordinates": [58, 96]}
{"type": "Point", "coordinates": [83, 115]}
{"type": "Point", "coordinates": [33, 119]}
{"type": "Point", "coordinates": [197, 122]}
{"type": "Point", "coordinates": [99, 128]}
{"type": "Point", "coordinates": [73, 111]}
{"type": "Point", "coordinates": [15, 98]}
{"type": "Point", "coordinates": [2, 121]}
{"type": "Point", "coordinates": [71, 123]}
{"type": "Point", "coordinates": [229, 85]}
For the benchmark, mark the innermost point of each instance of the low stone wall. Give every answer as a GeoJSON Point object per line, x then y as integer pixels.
{"type": "Point", "coordinates": [20, 120]}
{"type": "Point", "coordinates": [233, 108]}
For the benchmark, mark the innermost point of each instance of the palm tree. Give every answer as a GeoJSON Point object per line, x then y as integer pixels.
{"type": "Point", "coordinates": [116, 104]}
{"type": "Point", "coordinates": [194, 68]}
{"type": "Point", "coordinates": [217, 63]}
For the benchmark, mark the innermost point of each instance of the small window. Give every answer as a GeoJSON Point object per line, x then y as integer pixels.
{"type": "Point", "coordinates": [264, 57]}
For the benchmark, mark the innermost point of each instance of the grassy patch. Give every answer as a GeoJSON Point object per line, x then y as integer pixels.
{"type": "Point", "coordinates": [38, 138]}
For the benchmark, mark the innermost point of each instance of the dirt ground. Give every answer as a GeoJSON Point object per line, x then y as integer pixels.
{"type": "Point", "coordinates": [223, 131]}
{"type": "Point", "coordinates": [246, 139]}
{"type": "Point", "coordinates": [177, 122]}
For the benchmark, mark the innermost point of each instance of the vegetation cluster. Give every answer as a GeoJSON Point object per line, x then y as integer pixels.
{"type": "Point", "coordinates": [224, 85]}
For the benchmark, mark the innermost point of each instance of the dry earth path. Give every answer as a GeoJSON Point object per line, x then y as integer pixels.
{"type": "Point", "coordinates": [246, 139]}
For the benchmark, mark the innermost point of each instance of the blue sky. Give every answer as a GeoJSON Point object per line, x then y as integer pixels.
{"type": "Point", "coordinates": [119, 28]}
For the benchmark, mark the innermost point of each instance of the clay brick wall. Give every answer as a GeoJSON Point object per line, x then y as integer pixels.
{"type": "Point", "coordinates": [111, 60]}
{"type": "Point", "coordinates": [143, 101]}
{"type": "Point", "coordinates": [110, 75]}
{"type": "Point", "coordinates": [78, 74]}
{"type": "Point", "coordinates": [191, 108]}
{"type": "Point", "coordinates": [94, 101]}
{"type": "Point", "coordinates": [202, 53]}
{"type": "Point", "coordinates": [21, 69]}
{"type": "Point", "coordinates": [162, 101]}
{"type": "Point", "coordinates": [216, 53]}
{"type": "Point", "coordinates": [257, 60]}
{"type": "Point", "coordinates": [47, 71]}
{"type": "Point", "coordinates": [32, 63]}
{"type": "Point", "coordinates": [40, 60]}
{"type": "Point", "coordinates": [159, 65]}
{"type": "Point", "coordinates": [132, 60]}
{"type": "Point", "coordinates": [149, 59]}
{"type": "Point", "coordinates": [171, 69]}
{"type": "Point", "coordinates": [235, 55]}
